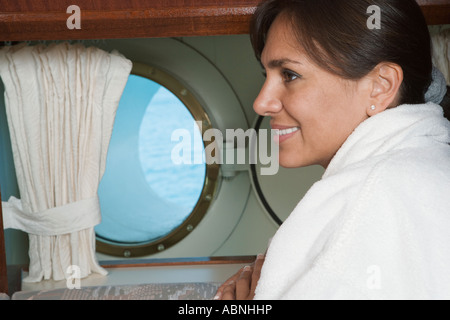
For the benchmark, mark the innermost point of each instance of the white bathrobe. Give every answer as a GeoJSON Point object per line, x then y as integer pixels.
{"type": "Point", "coordinates": [377, 225]}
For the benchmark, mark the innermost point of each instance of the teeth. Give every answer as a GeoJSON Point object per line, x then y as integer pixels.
{"type": "Point", "coordinates": [287, 131]}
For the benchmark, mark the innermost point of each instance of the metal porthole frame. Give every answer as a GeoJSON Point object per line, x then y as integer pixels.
{"type": "Point", "coordinates": [257, 185]}
{"type": "Point", "coordinates": [211, 178]}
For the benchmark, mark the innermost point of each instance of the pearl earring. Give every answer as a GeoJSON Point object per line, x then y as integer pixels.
{"type": "Point", "coordinates": [373, 107]}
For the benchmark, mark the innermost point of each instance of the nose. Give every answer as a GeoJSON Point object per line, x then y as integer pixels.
{"type": "Point", "coordinates": [268, 101]}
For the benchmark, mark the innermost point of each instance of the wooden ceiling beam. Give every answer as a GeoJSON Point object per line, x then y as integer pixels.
{"type": "Point", "coordinates": [22, 20]}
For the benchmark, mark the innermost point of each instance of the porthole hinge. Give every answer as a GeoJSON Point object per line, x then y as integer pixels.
{"type": "Point", "coordinates": [235, 160]}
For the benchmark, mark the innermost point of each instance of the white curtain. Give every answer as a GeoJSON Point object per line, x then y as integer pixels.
{"type": "Point", "coordinates": [61, 102]}
{"type": "Point", "coordinates": [440, 36]}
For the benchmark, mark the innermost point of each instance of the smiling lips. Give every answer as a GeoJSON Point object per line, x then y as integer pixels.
{"type": "Point", "coordinates": [284, 133]}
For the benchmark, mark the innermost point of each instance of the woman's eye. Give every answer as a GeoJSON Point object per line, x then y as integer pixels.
{"type": "Point", "coordinates": [290, 76]}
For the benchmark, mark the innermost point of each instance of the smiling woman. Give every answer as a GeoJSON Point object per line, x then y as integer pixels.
{"type": "Point", "coordinates": [314, 109]}
{"type": "Point", "coordinates": [352, 99]}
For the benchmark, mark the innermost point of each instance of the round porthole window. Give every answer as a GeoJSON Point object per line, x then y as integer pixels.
{"type": "Point", "coordinates": [154, 192]}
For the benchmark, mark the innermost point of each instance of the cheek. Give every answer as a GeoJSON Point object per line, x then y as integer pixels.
{"type": "Point", "coordinates": [325, 125]}
{"type": "Point", "coordinates": [310, 111]}
{"type": "Point", "coordinates": [328, 112]}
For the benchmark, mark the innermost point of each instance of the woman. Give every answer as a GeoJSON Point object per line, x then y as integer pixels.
{"type": "Point", "coordinates": [377, 225]}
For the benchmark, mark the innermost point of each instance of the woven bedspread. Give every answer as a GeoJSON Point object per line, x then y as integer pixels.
{"type": "Point", "coordinates": [175, 291]}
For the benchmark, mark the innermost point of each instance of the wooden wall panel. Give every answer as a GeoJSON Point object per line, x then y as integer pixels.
{"type": "Point", "coordinates": [46, 20]}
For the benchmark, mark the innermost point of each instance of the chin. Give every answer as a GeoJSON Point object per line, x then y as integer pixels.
{"type": "Point", "coordinates": [291, 162]}
{"type": "Point", "coordinates": [291, 159]}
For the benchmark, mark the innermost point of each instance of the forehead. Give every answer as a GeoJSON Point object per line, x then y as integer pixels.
{"type": "Point", "coordinates": [282, 43]}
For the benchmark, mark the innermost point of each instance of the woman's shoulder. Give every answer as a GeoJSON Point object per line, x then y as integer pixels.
{"type": "Point", "coordinates": [430, 164]}
{"type": "Point", "coordinates": [405, 184]}
{"type": "Point", "coordinates": [411, 183]}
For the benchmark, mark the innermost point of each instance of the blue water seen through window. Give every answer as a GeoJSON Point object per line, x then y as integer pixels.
{"type": "Point", "coordinates": [144, 195]}
{"type": "Point", "coordinates": [180, 184]}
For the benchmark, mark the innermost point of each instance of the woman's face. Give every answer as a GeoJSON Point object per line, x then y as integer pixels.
{"type": "Point", "coordinates": [314, 110]}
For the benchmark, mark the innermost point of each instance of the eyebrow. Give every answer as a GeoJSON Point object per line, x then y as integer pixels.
{"type": "Point", "coordinates": [277, 63]}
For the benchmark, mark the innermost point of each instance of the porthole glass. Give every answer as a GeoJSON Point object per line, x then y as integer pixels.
{"type": "Point", "coordinates": [179, 186]}
{"type": "Point", "coordinates": [149, 201]}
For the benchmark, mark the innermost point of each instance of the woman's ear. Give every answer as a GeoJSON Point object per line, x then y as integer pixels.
{"type": "Point", "coordinates": [387, 79]}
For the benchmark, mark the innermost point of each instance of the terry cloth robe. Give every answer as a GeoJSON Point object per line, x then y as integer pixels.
{"type": "Point", "coordinates": [377, 225]}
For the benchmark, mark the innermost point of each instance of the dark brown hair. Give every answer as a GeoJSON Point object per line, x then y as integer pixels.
{"type": "Point", "coordinates": [335, 35]}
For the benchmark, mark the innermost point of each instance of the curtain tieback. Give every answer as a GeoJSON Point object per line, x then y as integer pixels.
{"type": "Point", "coordinates": [73, 217]}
